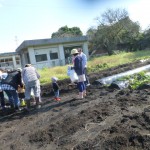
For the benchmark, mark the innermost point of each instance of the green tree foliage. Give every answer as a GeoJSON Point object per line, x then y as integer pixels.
{"type": "Point", "coordinates": [129, 35]}
{"type": "Point", "coordinates": [144, 42]}
{"type": "Point", "coordinates": [114, 28]}
{"type": "Point", "coordinates": [67, 32]}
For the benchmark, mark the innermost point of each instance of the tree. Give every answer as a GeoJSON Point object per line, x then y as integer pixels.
{"type": "Point", "coordinates": [130, 35]}
{"type": "Point", "coordinates": [91, 34]}
{"type": "Point", "coordinates": [113, 25]}
{"type": "Point", "coordinates": [67, 32]}
{"type": "Point", "coordinates": [145, 39]}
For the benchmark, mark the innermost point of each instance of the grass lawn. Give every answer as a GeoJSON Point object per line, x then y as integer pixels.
{"type": "Point", "coordinates": [95, 64]}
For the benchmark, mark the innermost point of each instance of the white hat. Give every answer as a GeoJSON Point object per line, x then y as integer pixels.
{"type": "Point", "coordinates": [54, 79]}
{"type": "Point", "coordinates": [19, 69]}
{"type": "Point", "coordinates": [74, 51]}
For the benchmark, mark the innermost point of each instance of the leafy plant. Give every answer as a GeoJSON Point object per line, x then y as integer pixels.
{"type": "Point", "coordinates": [139, 79]}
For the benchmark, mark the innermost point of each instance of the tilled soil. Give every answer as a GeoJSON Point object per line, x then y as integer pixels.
{"type": "Point", "coordinates": [106, 119]}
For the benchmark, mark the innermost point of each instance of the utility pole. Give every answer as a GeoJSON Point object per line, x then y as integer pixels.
{"type": "Point", "coordinates": [16, 40]}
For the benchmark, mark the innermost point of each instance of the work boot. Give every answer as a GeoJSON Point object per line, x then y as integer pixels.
{"type": "Point", "coordinates": [28, 105]}
{"type": "Point", "coordinates": [38, 105]}
{"type": "Point", "coordinates": [17, 108]}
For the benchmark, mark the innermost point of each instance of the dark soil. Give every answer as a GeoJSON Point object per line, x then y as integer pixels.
{"type": "Point", "coordinates": [106, 119]}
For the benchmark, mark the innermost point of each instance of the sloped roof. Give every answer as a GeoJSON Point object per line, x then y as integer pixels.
{"type": "Point", "coordinates": [8, 54]}
{"type": "Point", "coordinates": [40, 42]}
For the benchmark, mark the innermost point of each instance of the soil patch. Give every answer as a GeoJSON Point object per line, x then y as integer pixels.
{"type": "Point", "coordinates": [106, 119]}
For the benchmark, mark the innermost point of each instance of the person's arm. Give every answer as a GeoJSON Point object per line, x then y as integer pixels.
{"type": "Point", "coordinates": [37, 74]}
{"type": "Point", "coordinates": [84, 60]}
{"type": "Point", "coordinates": [77, 64]}
{"type": "Point", "coordinates": [20, 80]}
{"type": "Point", "coordinates": [55, 86]}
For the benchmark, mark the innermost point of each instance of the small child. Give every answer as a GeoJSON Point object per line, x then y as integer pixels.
{"type": "Point", "coordinates": [55, 87]}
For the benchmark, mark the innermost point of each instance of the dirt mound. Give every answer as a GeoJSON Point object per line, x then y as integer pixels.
{"type": "Point", "coordinates": [106, 119]}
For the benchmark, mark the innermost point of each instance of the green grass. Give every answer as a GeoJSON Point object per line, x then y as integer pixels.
{"type": "Point", "coordinates": [95, 64]}
{"type": "Point", "coordinates": [47, 73]}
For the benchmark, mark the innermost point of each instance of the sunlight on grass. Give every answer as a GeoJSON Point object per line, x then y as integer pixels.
{"type": "Point", "coordinates": [94, 64]}
{"type": "Point", "coordinates": [47, 73]}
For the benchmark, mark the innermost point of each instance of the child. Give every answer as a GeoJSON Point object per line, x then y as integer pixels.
{"type": "Point", "coordinates": [55, 87]}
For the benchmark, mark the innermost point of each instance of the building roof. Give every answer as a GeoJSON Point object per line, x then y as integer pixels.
{"type": "Point", "coordinates": [8, 54]}
{"type": "Point", "coordinates": [40, 42]}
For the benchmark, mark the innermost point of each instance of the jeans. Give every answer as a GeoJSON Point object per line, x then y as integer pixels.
{"type": "Point", "coordinates": [35, 85]}
{"type": "Point", "coordinates": [13, 97]}
{"type": "Point", "coordinates": [2, 99]}
{"type": "Point", "coordinates": [56, 93]}
{"type": "Point", "coordinates": [81, 86]}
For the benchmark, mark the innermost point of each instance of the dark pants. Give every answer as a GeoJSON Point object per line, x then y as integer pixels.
{"type": "Point", "coordinates": [2, 99]}
{"type": "Point", "coordinates": [81, 86]}
{"type": "Point", "coordinates": [13, 97]}
{"type": "Point", "coordinates": [86, 76]}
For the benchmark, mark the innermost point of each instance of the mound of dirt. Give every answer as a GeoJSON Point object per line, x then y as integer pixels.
{"type": "Point", "coordinates": [106, 119]}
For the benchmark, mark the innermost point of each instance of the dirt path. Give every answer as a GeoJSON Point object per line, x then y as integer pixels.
{"type": "Point", "coordinates": [107, 119]}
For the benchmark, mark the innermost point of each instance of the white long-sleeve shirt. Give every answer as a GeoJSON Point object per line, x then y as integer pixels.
{"type": "Point", "coordinates": [84, 59]}
{"type": "Point", "coordinates": [29, 74]}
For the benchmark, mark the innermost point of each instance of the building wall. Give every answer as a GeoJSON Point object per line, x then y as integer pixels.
{"type": "Point", "coordinates": [49, 56]}
{"type": "Point", "coordinates": [10, 62]}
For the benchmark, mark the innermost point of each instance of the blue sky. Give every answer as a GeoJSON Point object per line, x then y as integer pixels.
{"type": "Point", "coordinates": [37, 19]}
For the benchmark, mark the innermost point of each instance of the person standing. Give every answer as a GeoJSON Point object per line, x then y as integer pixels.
{"type": "Point", "coordinates": [55, 87]}
{"type": "Point", "coordinates": [84, 58]}
{"type": "Point", "coordinates": [31, 80]}
{"type": "Point", "coordinates": [79, 69]}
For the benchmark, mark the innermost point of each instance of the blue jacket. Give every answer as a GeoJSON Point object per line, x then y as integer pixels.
{"type": "Point", "coordinates": [78, 65]}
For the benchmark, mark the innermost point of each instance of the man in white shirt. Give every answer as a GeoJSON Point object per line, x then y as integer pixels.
{"type": "Point", "coordinates": [31, 80]}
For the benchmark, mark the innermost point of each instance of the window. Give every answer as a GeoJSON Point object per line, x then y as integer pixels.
{"type": "Point", "coordinates": [2, 60]}
{"type": "Point", "coordinates": [17, 58]}
{"type": "Point", "coordinates": [18, 62]}
{"type": "Point", "coordinates": [42, 57]}
{"type": "Point", "coordinates": [53, 55]}
{"type": "Point", "coordinates": [10, 59]}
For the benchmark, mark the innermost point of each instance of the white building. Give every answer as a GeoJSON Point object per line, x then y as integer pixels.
{"type": "Point", "coordinates": [10, 60]}
{"type": "Point", "coordinates": [43, 53]}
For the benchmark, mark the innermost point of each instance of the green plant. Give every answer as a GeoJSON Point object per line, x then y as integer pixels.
{"type": "Point", "coordinates": [138, 80]}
